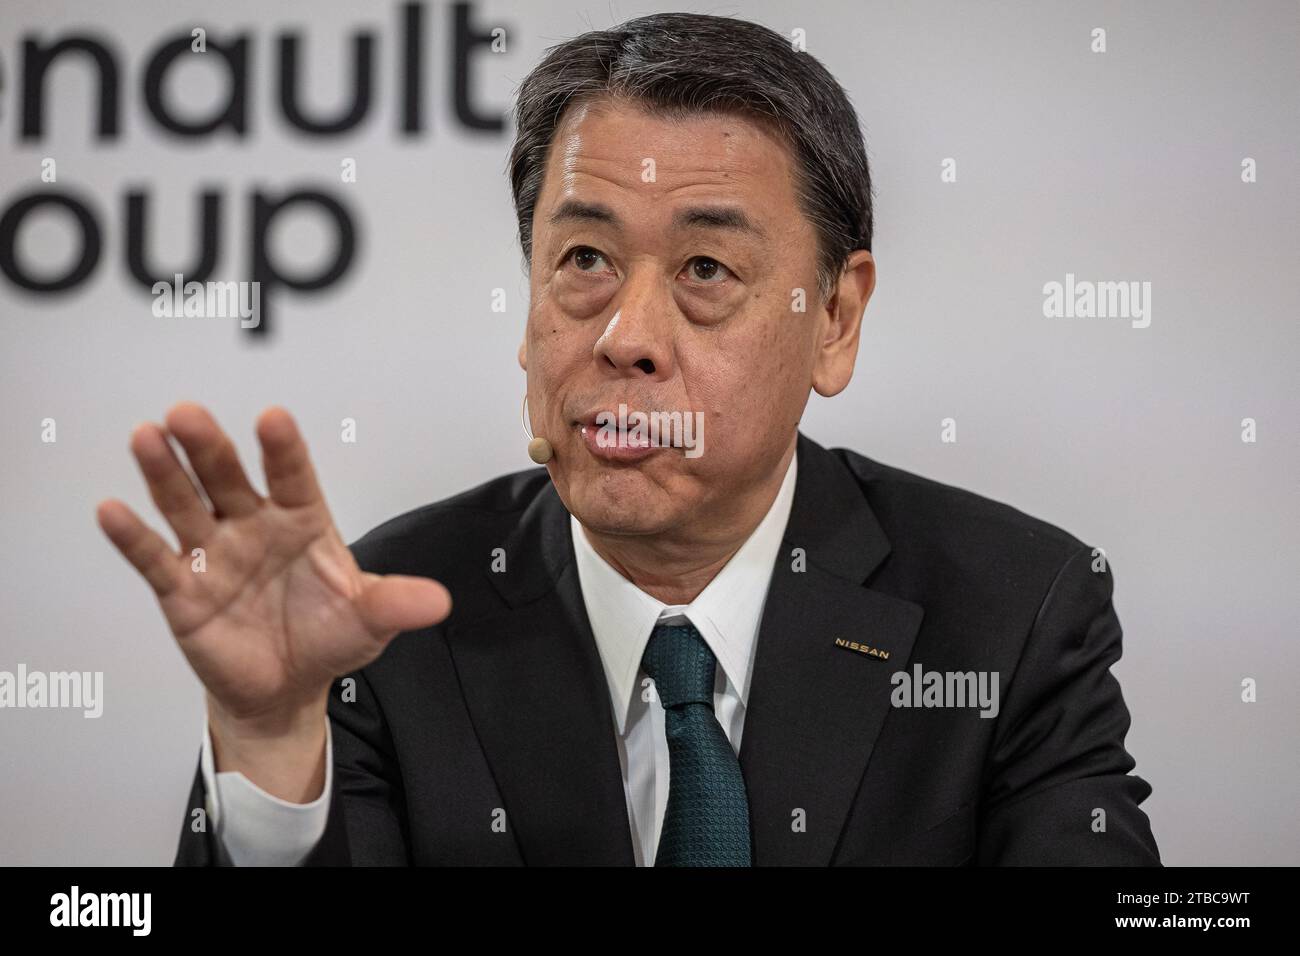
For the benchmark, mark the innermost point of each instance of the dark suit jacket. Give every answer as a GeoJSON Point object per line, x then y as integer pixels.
{"type": "Point", "coordinates": [504, 706]}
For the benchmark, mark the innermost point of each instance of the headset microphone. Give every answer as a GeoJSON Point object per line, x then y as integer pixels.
{"type": "Point", "coordinates": [539, 449]}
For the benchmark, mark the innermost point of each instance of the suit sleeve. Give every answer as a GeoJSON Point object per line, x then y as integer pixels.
{"type": "Point", "coordinates": [366, 804]}
{"type": "Point", "coordinates": [1060, 791]}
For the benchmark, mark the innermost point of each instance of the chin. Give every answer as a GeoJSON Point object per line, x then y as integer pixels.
{"type": "Point", "coordinates": [622, 501]}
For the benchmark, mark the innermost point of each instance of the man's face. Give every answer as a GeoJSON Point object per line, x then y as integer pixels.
{"type": "Point", "coordinates": [665, 263]}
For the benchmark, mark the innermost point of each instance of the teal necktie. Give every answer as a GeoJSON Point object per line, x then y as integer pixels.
{"type": "Point", "coordinates": [706, 822]}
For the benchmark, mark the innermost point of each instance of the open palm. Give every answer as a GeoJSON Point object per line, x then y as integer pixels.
{"type": "Point", "coordinates": [274, 606]}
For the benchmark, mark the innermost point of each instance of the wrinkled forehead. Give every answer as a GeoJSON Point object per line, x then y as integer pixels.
{"type": "Point", "coordinates": [614, 145]}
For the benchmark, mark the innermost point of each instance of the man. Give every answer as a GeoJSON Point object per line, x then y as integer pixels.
{"type": "Point", "coordinates": [696, 651]}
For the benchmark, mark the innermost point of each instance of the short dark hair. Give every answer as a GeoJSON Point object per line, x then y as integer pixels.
{"type": "Point", "coordinates": [685, 63]}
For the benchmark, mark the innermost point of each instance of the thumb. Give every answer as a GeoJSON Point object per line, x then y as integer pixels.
{"type": "Point", "coordinates": [391, 603]}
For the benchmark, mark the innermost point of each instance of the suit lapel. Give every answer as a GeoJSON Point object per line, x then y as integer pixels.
{"type": "Point", "coordinates": [814, 708]}
{"type": "Point", "coordinates": [539, 702]}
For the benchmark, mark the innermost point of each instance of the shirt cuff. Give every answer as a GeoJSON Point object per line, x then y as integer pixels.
{"type": "Point", "coordinates": [256, 828]}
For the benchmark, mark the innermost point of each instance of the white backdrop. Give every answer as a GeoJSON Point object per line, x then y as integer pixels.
{"type": "Point", "coordinates": [1123, 165]}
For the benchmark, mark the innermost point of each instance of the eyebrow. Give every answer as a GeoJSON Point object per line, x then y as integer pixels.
{"type": "Point", "coordinates": [709, 217]}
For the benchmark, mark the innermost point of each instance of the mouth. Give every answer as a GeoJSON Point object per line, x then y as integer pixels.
{"type": "Point", "coordinates": [610, 437]}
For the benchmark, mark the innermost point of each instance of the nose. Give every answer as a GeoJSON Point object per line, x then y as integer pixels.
{"type": "Point", "coordinates": [638, 340]}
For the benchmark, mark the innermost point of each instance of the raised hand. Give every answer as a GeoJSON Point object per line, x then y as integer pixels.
{"type": "Point", "coordinates": [280, 608]}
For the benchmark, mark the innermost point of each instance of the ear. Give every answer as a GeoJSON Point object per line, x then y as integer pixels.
{"type": "Point", "coordinates": [523, 353]}
{"type": "Point", "coordinates": [837, 348]}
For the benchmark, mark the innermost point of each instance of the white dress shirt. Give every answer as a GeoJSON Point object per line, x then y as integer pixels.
{"type": "Point", "coordinates": [259, 829]}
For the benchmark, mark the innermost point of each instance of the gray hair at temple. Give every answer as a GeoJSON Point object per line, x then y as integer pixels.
{"type": "Point", "coordinates": [681, 64]}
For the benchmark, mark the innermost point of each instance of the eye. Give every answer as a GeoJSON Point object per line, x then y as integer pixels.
{"type": "Point", "coordinates": [587, 259]}
{"type": "Point", "coordinates": [706, 270]}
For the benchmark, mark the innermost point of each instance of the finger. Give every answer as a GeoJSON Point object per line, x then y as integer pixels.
{"type": "Point", "coordinates": [141, 545]}
{"type": "Point", "coordinates": [396, 602]}
{"type": "Point", "coordinates": [290, 477]}
{"type": "Point", "coordinates": [170, 487]}
{"type": "Point", "coordinates": [214, 460]}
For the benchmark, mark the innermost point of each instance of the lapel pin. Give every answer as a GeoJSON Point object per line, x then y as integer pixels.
{"type": "Point", "coordinates": [878, 653]}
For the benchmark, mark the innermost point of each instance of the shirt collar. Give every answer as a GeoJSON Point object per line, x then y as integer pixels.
{"type": "Point", "coordinates": [727, 612]}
